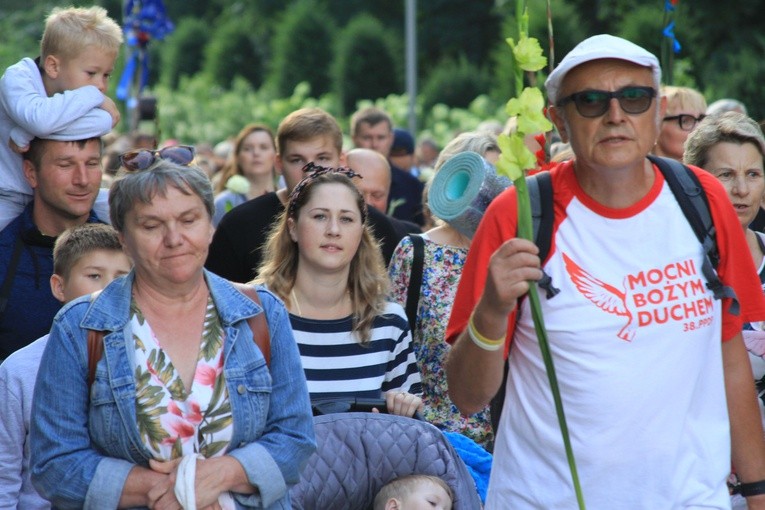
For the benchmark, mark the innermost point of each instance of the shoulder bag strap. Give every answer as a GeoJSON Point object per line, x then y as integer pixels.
{"type": "Point", "coordinates": [258, 324]}
{"type": "Point", "coordinates": [95, 351]}
{"type": "Point", "coordinates": [415, 278]}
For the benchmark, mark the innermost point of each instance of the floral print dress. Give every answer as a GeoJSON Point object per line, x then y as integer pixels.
{"type": "Point", "coordinates": [172, 421]}
{"type": "Point", "coordinates": [441, 274]}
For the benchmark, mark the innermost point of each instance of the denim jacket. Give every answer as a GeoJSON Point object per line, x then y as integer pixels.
{"type": "Point", "coordinates": [83, 447]}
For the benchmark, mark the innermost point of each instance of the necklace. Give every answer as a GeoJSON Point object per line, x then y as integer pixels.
{"type": "Point", "coordinates": [294, 300]}
{"type": "Point", "coordinates": [324, 311]}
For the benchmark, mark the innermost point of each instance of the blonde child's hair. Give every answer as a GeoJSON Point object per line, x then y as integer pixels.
{"type": "Point", "coordinates": [68, 31]}
{"type": "Point", "coordinates": [401, 487]}
{"type": "Point", "coordinates": [76, 242]}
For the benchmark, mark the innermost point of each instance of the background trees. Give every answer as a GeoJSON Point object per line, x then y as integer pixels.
{"type": "Point", "coordinates": [302, 43]}
{"type": "Point", "coordinates": [234, 61]}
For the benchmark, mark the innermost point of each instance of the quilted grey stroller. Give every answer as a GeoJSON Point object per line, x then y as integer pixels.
{"type": "Point", "coordinates": [358, 453]}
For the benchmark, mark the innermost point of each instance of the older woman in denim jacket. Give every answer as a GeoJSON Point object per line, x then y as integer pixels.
{"type": "Point", "coordinates": [184, 410]}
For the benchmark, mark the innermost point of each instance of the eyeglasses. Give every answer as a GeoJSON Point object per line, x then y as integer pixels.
{"type": "Point", "coordinates": [138, 160]}
{"type": "Point", "coordinates": [594, 103]}
{"type": "Point", "coordinates": [685, 121]}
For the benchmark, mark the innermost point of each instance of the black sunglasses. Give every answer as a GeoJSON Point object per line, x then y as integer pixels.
{"type": "Point", "coordinates": [685, 121]}
{"type": "Point", "coordinates": [594, 103]}
{"type": "Point", "coordinates": [137, 160]}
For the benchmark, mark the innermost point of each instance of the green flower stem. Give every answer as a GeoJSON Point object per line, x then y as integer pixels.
{"type": "Point", "coordinates": [525, 230]}
{"type": "Point", "coordinates": [516, 158]}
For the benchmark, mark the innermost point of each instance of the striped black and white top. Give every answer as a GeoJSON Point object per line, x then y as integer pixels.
{"type": "Point", "coordinates": [337, 365]}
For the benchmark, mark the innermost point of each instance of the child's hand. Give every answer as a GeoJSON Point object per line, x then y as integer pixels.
{"type": "Point", "coordinates": [15, 148]}
{"type": "Point", "coordinates": [111, 109]}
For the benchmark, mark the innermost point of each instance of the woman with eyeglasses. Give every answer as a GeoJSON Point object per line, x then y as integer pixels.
{"type": "Point", "coordinates": [171, 388]}
{"type": "Point", "coordinates": [323, 261]}
{"type": "Point", "coordinates": [249, 172]}
{"type": "Point", "coordinates": [731, 146]}
{"type": "Point", "coordinates": [685, 109]}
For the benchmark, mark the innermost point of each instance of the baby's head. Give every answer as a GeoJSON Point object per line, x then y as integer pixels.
{"type": "Point", "coordinates": [79, 47]}
{"type": "Point", "coordinates": [414, 492]}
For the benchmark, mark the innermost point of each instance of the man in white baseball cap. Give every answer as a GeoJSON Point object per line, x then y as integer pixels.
{"type": "Point", "coordinates": [654, 376]}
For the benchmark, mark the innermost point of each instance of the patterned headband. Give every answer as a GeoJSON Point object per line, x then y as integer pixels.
{"type": "Point", "coordinates": [313, 172]}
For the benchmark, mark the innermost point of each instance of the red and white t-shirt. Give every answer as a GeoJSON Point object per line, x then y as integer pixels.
{"type": "Point", "coordinates": [636, 339]}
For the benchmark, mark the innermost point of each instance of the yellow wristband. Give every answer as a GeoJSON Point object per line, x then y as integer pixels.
{"type": "Point", "coordinates": [481, 341]}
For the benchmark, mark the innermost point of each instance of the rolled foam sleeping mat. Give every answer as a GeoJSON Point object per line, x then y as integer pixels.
{"type": "Point", "coordinates": [462, 190]}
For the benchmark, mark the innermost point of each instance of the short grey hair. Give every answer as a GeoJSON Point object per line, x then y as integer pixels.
{"type": "Point", "coordinates": [732, 127]}
{"type": "Point", "coordinates": [143, 186]}
{"type": "Point", "coordinates": [726, 105]}
{"type": "Point", "coordinates": [480, 142]}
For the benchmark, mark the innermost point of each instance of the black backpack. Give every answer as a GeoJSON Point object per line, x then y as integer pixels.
{"type": "Point", "coordinates": [689, 194]}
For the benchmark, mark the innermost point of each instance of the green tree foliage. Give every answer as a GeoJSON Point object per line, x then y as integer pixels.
{"type": "Point", "coordinates": [21, 26]}
{"type": "Point", "coordinates": [644, 27]}
{"type": "Point", "coordinates": [725, 44]}
{"type": "Point", "coordinates": [182, 52]}
{"type": "Point", "coordinates": [200, 9]}
{"type": "Point", "coordinates": [366, 66]}
{"type": "Point", "coordinates": [454, 83]}
{"type": "Point", "coordinates": [442, 123]}
{"type": "Point", "coordinates": [721, 54]}
{"type": "Point", "coordinates": [713, 24]}
{"type": "Point", "coordinates": [737, 72]}
{"type": "Point", "coordinates": [302, 49]}
{"type": "Point", "coordinates": [390, 14]}
{"type": "Point", "coordinates": [448, 28]}
{"type": "Point", "coordinates": [235, 49]}
{"type": "Point", "coordinates": [568, 29]}
{"type": "Point", "coordinates": [201, 111]}
{"type": "Point", "coordinates": [113, 7]}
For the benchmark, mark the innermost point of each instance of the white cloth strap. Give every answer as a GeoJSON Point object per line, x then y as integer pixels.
{"type": "Point", "coordinates": [184, 482]}
{"type": "Point", "coordinates": [184, 485]}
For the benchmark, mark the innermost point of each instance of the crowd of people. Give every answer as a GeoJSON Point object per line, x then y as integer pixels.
{"type": "Point", "coordinates": [170, 314]}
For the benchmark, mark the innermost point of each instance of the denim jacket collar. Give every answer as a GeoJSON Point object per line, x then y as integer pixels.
{"type": "Point", "coordinates": [110, 310]}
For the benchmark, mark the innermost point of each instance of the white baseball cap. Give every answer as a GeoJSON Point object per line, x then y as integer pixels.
{"type": "Point", "coordinates": [595, 48]}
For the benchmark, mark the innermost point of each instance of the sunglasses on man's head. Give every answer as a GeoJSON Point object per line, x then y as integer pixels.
{"type": "Point", "coordinates": [685, 121]}
{"type": "Point", "coordinates": [594, 103]}
{"type": "Point", "coordinates": [142, 159]}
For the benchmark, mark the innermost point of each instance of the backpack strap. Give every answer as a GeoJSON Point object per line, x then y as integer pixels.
{"type": "Point", "coordinates": [689, 193]}
{"type": "Point", "coordinates": [542, 218]}
{"type": "Point", "coordinates": [258, 324]}
{"type": "Point", "coordinates": [415, 278]}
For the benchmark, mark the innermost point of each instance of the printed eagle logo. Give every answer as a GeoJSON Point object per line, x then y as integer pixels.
{"type": "Point", "coordinates": [606, 297]}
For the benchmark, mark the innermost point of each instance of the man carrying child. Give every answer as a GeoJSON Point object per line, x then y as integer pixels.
{"type": "Point", "coordinates": [58, 96]}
